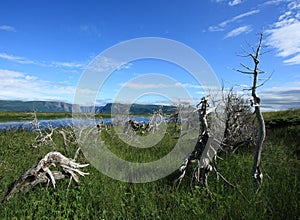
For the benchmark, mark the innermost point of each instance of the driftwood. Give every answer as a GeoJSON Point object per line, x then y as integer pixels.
{"type": "Point", "coordinates": [41, 173]}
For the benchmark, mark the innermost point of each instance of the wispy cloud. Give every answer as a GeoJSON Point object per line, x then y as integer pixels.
{"type": "Point", "coordinates": [9, 74]}
{"type": "Point", "coordinates": [234, 2]}
{"type": "Point", "coordinates": [280, 98]}
{"type": "Point", "coordinates": [272, 2]}
{"type": "Point", "coordinates": [133, 85]}
{"type": "Point", "coordinates": [138, 85]}
{"type": "Point", "coordinates": [106, 64]}
{"type": "Point", "coordinates": [69, 64]}
{"type": "Point", "coordinates": [90, 29]}
{"type": "Point", "coordinates": [16, 59]}
{"type": "Point", "coordinates": [286, 96]}
{"type": "Point", "coordinates": [237, 31]}
{"type": "Point", "coordinates": [294, 60]}
{"type": "Point", "coordinates": [285, 39]}
{"type": "Point", "coordinates": [189, 85]}
{"type": "Point", "coordinates": [229, 2]}
{"type": "Point", "coordinates": [221, 26]}
{"type": "Point", "coordinates": [18, 85]}
{"type": "Point", "coordinates": [7, 28]}
{"type": "Point", "coordinates": [56, 64]}
{"type": "Point", "coordinates": [284, 35]}
{"type": "Point", "coordinates": [217, 1]}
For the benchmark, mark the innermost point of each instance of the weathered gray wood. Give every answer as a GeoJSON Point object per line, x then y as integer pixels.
{"type": "Point", "coordinates": [199, 154]}
{"type": "Point", "coordinates": [261, 128]}
{"type": "Point", "coordinates": [261, 134]}
{"type": "Point", "coordinates": [41, 173]}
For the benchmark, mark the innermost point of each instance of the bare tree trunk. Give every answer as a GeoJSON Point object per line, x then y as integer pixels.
{"type": "Point", "coordinates": [203, 168]}
{"type": "Point", "coordinates": [261, 128]}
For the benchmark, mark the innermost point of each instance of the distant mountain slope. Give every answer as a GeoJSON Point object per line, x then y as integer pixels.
{"type": "Point", "coordinates": [39, 106]}
{"type": "Point", "coordinates": [56, 106]}
{"type": "Point", "coordinates": [137, 108]}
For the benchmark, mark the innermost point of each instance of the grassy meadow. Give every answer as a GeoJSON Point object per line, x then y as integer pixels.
{"type": "Point", "coordinates": [28, 116]}
{"type": "Point", "coordinates": [100, 197]}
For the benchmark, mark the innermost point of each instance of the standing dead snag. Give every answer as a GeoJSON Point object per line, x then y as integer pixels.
{"type": "Point", "coordinates": [204, 166]}
{"type": "Point", "coordinates": [41, 173]}
{"type": "Point", "coordinates": [256, 104]}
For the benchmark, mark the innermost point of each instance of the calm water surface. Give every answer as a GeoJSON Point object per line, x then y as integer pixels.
{"type": "Point", "coordinates": [57, 123]}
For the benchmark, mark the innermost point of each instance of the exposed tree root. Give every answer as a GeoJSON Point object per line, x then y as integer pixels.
{"type": "Point", "coordinates": [41, 173]}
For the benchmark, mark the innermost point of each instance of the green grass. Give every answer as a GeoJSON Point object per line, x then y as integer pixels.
{"type": "Point", "coordinates": [100, 197]}
{"type": "Point", "coordinates": [28, 116]}
{"type": "Point", "coordinates": [282, 118]}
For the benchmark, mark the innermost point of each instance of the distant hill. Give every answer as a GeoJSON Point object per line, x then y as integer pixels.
{"type": "Point", "coordinates": [282, 118]}
{"type": "Point", "coordinates": [136, 108]}
{"type": "Point", "coordinates": [57, 106]}
{"type": "Point", "coordinates": [38, 106]}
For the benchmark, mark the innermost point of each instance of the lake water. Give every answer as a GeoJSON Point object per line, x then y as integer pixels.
{"type": "Point", "coordinates": [57, 123]}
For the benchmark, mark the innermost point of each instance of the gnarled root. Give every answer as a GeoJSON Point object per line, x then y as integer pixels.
{"type": "Point", "coordinates": [41, 173]}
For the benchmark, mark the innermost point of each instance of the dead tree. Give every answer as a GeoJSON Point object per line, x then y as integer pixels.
{"type": "Point", "coordinates": [41, 173]}
{"type": "Point", "coordinates": [64, 136]}
{"type": "Point", "coordinates": [255, 72]}
{"type": "Point", "coordinates": [101, 125]}
{"type": "Point", "coordinates": [35, 123]}
{"type": "Point", "coordinates": [240, 127]}
{"type": "Point", "coordinates": [131, 125]}
{"type": "Point", "coordinates": [155, 120]}
{"type": "Point", "coordinates": [202, 150]}
{"type": "Point", "coordinates": [43, 137]}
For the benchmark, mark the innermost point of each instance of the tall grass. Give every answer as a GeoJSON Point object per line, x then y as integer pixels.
{"type": "Point", "coordinates": [28, 116]}
{"type": "Point", "coordinates": [100, 197]}
{"type": "Point", "coordinates": [282, 118]}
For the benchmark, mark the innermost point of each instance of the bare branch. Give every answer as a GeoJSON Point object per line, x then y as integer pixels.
{"type": "Point", "coordinates": [246, 67]}
{"type": "Point", "coordinates": [244, 72]}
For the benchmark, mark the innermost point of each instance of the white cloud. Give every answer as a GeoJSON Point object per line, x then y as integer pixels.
{"type": "Point", "coordinates": [16, 59]}
{"type": "Point", "coordinates": [230, 2]}
{"type": "Point", "coordinates": [285, 34]}
{"type": "Point", "coordinates": [147, 85]}
{"type": "Point", "coordinates": [134, 85]}
{"type": "Point", "coordinates": [234, 2]}
{"type": "Point", "coordinates": [188, 85]}
{"type": "Point", "coordinates": [286, 96]}
{"type": "Point", "coordinates": [56, 64]}
{"type": "Point", "coordinates": [221, 26]}
{"type": "Point", "coordinates": [272, 2]}
{"type": "Point", "coordinates": [7, 28]}
{"type": "Point", "coordinates": [280, 98]}
{"type": "Point", "coordinates": [68, 64]}
{"type": "Point", "coordinates": [237, 31]}
{"type": "Point", "coordinates": [291, 15]}
{"type": "Point", "coordinates": [18, 85]}
{"type": "Point", "coordinates": [293, 60]}
{"type": "Point", "coordinates": [218, 1]}
{"type": "Point", "coordinates": [106, 64]}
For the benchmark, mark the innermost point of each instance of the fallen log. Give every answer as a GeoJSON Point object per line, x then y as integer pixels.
{"type": "Point", "coordinates": [41, 173]}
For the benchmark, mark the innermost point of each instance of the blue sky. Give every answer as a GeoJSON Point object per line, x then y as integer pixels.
{"type": "Point", "coordinates": [45, 46]}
